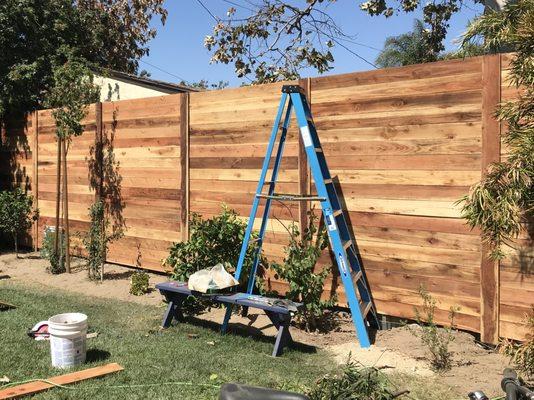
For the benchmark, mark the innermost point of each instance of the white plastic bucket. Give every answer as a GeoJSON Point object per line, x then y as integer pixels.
{"type": "Point", "coordinates": [67, 339]}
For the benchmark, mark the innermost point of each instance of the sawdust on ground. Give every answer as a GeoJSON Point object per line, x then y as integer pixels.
{"type": "Point", "coordinates": [395, 350]}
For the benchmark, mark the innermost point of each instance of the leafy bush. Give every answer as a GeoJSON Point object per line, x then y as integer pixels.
{"type": "Point", "coordinates": [212, 241]}
{"type": "Point", "coordinates": [139, 283]}
{"type": "Point", "coordinates": [57, 261]}
{"type": "Point", "coordinates": [436, 339]}
{"type": "Point", "coordinates": [522, 354]}
{"type": "Point", "coordinates": [16, 214]}
{"type": "Point", "coordinates": [353, 382]}
{"type": "Point", "coordinates": [298, 269]}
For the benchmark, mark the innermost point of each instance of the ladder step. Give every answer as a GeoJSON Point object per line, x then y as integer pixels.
{"type": "Point", "coordinates": [365, 308]}
{"type": "Point", "coordinates": [346, 244]}
{"type": "Point", "coordinates": [338, 212]}
{"type": "Point", "coordinates": [290, 197]}
{"type": "Point", "coordinates": [327, 181]}
{"type": "Point", "coordinates": [318, 150]}
{"type": "Point", "coordinates": [355, 278]}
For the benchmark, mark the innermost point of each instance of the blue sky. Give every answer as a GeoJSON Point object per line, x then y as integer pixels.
{"type": "Point", "coordinates": [179, 51]}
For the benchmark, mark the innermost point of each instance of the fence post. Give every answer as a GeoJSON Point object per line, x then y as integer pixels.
{"type": "Point", "coordinates": [184, 163]}
{"type": "Point", "coordinates": [491, 149]}
{"type": "Point", "coordinates": [303, 168]}
{"type": "Point", "coordinates": [35, 178]}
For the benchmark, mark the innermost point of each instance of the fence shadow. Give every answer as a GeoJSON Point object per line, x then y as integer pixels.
{"type": "Point", "coordinates": [14, 148]}
{"type": "Point", "coordinates": [105, 177]}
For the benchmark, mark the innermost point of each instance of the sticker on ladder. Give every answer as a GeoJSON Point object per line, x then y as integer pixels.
{"type": "Point", "coordinates": [306, 137]}
{"type": "Point", "coordinates": [331, 223]}
{"type": "Point", "coordinates": [342, 264]}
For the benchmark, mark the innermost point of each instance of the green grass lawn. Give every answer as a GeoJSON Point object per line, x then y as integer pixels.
{"type": "Point", "coordinates": [129, 335]}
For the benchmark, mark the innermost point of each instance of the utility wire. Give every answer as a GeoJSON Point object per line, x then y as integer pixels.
{"type": "Point", "coordinates": [238, 5]}
{"type": "Point", "coordinates": [354, 53]}
{"type": "Point", "coordinates": [207, 10]}
{"type": "Point", "coordinates": [162, 70]}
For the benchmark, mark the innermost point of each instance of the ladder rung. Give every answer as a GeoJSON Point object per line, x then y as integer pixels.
{"type": "Point", "coordinates": [346, 244]}
{"type": "Point", "coordinates": [355, 278]}
{"type": "Point", "coordinates": [338, 212]}
{"type": "Point", "coordinates": [290, 197]}
{"type": "Point", "coordinates": [327, 181]}
{"type": "Point", "coordinates": [365, 308]}
{"type": "Point", "coordinates": [318, 150]}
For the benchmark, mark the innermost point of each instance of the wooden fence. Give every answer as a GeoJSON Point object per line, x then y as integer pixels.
{"type": "Point", "coordinates": [404, 144]}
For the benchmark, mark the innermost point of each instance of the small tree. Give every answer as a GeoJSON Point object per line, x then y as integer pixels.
{"type": "Point", "coordinates": [72, 92]}
{"type": "Point", "coordinates": [16, 214]}
{"type": "Point", "coordinates": [298, 269]}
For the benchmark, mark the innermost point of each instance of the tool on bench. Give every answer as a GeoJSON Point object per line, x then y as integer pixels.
{"type": "Point", "coordinates": [356, 288]}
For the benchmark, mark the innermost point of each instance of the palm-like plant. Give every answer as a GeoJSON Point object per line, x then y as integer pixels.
{"type": "Point", "coordinates": [504, 199]}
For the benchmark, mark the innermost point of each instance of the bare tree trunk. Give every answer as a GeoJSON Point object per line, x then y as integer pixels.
{"type": "Point", "coordinates": [65, 205]}
{"type": "Point", "coordinates": [15, 239]}
{"type": "Point", "coordinates": [58, 196]}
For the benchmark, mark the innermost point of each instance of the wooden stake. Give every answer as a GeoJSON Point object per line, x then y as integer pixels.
{"type": "Point", "coordinates": [58, 196]}
{"type": "Point", "coordinates": [65, 205]}
{"type": "Point", "coordinates": [39, 386]}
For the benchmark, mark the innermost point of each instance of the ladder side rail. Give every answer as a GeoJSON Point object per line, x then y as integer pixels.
{"type": "Point", "coordinates": [311, 141]}
{"type": "Point", "coordinates": [261, 183]}
{"type": "Point", "coordinates": [256, 202]}
{"type": "Point", "coordinates": [268, 202]}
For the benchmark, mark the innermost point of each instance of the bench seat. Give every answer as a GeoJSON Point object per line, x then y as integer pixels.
{"type": "Point", "coordinates": [279, 311]}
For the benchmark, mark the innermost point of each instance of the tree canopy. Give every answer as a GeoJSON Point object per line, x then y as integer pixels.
{"type": "Point", "coordinates": [38, 36]}
{"type": "Point", "coordinates": [272, 40]}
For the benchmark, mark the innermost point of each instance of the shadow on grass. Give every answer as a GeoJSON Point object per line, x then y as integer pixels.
{"type": "Point", "coordinates": [94, 355]}
{"type": "Point", "coordinates": [247, 331]}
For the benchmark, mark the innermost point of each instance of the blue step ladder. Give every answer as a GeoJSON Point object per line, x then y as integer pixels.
{"type": "Point", "coordinates": [356, 288]}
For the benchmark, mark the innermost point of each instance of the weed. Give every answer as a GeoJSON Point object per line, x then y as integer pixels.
{"type": "Point", "coordinates": [436, 339]}
{"type": "Point", "coordinates": [353, 382]}
{"type": "Point", "coordinates": [139, 283]}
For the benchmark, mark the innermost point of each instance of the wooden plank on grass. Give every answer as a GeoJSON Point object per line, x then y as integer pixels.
{"type": "Point", "coordinates": [39, 386]}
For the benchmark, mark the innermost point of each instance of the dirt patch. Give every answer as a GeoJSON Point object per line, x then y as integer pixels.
{"type": "Point", "coordinates": [474, 366]}
{"type": "Point", "coordinates": [395, 350]}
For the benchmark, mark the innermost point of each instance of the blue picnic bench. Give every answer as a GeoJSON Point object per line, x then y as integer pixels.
{"type": "Point", "coordinates": [278, 311]}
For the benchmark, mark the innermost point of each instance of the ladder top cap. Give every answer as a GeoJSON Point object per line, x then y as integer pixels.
{"type": "Point", "coordinates": [292, 89]}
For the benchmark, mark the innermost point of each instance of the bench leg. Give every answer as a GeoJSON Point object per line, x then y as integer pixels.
{"type": "Point", "coordinates": [281, 322]}
{"type": "Point", "coordinates": [227, 316]}
{"type": "Point", "coordinates": [173, 311]}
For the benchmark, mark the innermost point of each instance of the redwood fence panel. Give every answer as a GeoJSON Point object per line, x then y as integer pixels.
{"type": "Point", "coordinates": [404, 144]}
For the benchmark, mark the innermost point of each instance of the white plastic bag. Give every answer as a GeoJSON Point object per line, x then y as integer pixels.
{"type": "Point", "coordinates": [211, 279]}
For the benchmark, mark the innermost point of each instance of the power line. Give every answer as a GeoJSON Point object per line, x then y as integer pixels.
{"type": "Point", "coordinates": [238, 5]}
{"type": "Point", "coordinates": [207, 10]}
{"type": "Point", "coordinates": [354, 53]}
{"type": "Point", "coordinates": [360, 44]}
{"type": "Point", "coordinates": [162, 70]}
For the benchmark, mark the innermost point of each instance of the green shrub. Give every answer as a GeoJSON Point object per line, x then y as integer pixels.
{"type": "Point", "coordinates": [522, 354]}
{"type": "Point", "coordinates": [353, 382]}
{"type": "Point", "coordinates": [305, 285]}
{"type": "Point", "coordinates": [57, 261]}
{"type": "Point", "coordinates": [16, 214]}
{"type": "Point", "coordinates": [97, 240]}
{"type": "Point", "coordinates": [212, 241]}
{"type": "Point", "coordinates": [436, 339]}
{"type": "Point", "coordinates": [139, 282]}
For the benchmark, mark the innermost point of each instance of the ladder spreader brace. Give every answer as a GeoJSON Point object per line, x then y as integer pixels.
{"type": "Point", "coordinates": [356, 288]}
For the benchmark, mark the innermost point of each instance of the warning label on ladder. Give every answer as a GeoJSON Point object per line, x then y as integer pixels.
{"type": "Point", "coordinates": [306, 137]}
